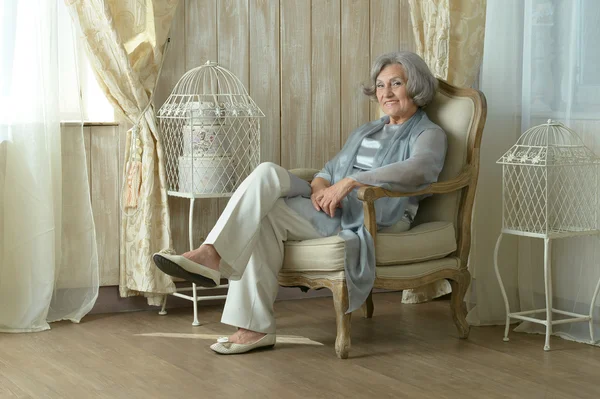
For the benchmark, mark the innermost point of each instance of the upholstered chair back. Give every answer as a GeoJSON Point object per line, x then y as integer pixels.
{"type": "Point", "coordinates": [455, 115]}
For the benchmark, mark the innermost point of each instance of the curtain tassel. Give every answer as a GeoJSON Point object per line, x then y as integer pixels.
{"type": "Point", "coordinates": [134, 172]}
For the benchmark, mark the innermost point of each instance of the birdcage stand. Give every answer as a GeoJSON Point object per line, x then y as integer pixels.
{"type": "Point", "coordinates": [549, 310]}
{"type": "Point", "coordinates": [195, 298]}
{"type": "Point", "coordinates": [210, 130]}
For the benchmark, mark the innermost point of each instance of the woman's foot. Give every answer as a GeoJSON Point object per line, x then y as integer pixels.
{"type": "Point", "coordinates": [243, 336]}
{"type": "Point", "coordinates": [205, 255]}
{"type": "Point", "coordinates": [182, 267]}
{"type": "Point", "coordinates": [243, 341]}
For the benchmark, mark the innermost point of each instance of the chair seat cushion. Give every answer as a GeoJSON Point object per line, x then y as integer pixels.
{"type": "Point", "coordinates": [427, 241]}
{"type": "Point", "coordinates": [321, 254]}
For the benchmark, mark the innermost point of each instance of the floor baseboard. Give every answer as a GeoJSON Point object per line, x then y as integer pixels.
{"type": "Point", "coordinates": [109, 300]}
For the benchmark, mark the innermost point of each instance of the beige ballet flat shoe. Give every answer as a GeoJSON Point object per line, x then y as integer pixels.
{"type": "Point", "coordinates": [224, 347]}
{"type": "Point", "coordinates": [179, 266]}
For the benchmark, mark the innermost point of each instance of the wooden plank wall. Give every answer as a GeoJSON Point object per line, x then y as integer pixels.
{"type": "Point", "coordinates": [102, 149]}
{"type": "Point", "coordinates": [302, 61]}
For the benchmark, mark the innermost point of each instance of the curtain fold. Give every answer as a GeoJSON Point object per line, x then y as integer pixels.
{"type": "Point", "coordinates": [48, 255]}
{"type": "Point", "coordinates": [125, 41]}
{"type": "Point", "coordinates": [501, 83]}
{"type": "Point", "coordinates": [449, 36]}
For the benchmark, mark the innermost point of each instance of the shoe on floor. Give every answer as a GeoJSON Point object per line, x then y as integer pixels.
{"type": "Point", "coordinates": [224, 347]}
{"type": "Point", "coordinates": [182, 267]}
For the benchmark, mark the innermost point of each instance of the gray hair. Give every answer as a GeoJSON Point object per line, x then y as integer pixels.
{"type": "Point", "coordinates": [421, 85]}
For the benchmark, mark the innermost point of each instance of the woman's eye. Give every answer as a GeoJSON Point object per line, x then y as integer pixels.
{"type": "Point", "coordinates": [397, 83]}
{"type": "Point", "coordinates": [379, 85]}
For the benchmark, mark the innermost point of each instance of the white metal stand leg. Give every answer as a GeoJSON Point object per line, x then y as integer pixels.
{"type": "Point", "coordinates": [527, 315]}
{"type": "Point", "coordinates": [506, 305]}
{"type": "Point", "coordinates": [591, 322]}
{"type": "Point", "coordinates": [548, 282]}
{"type": "Point", "coordinates": [194, 297]}
{"type": "Point", "coordinates": [195, 302]}
{"type": "Point", "coordinates": [163, 309]}
{"type": "Point", "coordinates": [191, 240]}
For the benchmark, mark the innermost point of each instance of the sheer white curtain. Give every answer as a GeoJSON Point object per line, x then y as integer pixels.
{"type": "Point", "coordinates": [541, 61]}
{"type": "Point", "coordinates": [48, 258]}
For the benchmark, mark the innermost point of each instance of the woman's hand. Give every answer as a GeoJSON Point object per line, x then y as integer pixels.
{"type": "Point", "coordinates": [330, 198]}
{"type": "Point", "coordinates": [316, 198]}
{"type": "Point", "coordinates": [318, 185]}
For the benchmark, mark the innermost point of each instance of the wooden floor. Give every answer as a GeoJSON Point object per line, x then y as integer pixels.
{"type": "Point", "coordinates": [407, 351]}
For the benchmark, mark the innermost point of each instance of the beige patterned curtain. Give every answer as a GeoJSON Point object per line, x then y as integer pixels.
{"type": "Point", "coordinates": [449, 36]}
{"type": "Point", "coordinates": [125, 41]}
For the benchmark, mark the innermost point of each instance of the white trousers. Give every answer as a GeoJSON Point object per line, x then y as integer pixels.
{"type": "Point", "coordinates": [249, 237]}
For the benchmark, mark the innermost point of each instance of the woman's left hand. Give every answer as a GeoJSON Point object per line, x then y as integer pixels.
{"type": "Point", "coordinates": [332, 196]}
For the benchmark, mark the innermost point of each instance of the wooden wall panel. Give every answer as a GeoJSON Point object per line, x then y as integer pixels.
{"type": "Point", "coordinates": [384, 33]}
{"type": "Point", "coordinates": [296, 115]}
{"type": "Point", "coordinates": [325, 81]}
{"type": "Point", "coordinates": [356, 62]}
{"type": "Point", "coordinates": [302, 61]}
{"type": "Point", "coordinates": [264, 77]}
{"type": "Point", "coordinates": [87, 145]}
{"type": "Point", "coordinates": [233, 47]}
{"type": "Point", "coordinates": [105, 200]}
{"type": "Point", "coordinates": [124, 126]}
{"type": "Point", "coordinates": [76, 173]}
{"type": "Point", "coordinates": [407, 37]}
{"type": "Point", "coordinates": [390, 31]}
{"type": "Point", "coordinates": [201, 31]}
{"type": "Point", "coordinates": [233, 38]}
{"type": "Point", "coordinates": [174, 65]}
{"type": "Point", "coordinates": [173, 68]}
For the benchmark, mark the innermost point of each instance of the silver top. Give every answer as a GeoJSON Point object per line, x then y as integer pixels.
{"type": "Point", "coordinates": [370, 145]}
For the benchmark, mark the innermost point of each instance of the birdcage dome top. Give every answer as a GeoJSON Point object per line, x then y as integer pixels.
{"type": "Point", "coordinates": [209, 90]}
{"type": "Point", "coordinates": [548, 144]}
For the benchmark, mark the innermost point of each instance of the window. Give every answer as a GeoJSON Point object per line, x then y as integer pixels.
{"type": "Point", "coordinates": [21, 61]}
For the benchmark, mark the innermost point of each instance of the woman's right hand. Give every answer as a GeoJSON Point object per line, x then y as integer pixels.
{"type": "Point", "coordinates": [316, 198]}
{"type": "Point", "coordinates": [318, 185]}
{"type": "Point", "coordinates": [330, 198]}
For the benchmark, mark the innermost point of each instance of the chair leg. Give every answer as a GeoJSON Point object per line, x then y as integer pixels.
{"type": "Point", "coordinates": [342, 320]}
{"type": "Point", "coordinates": [368, 307]}
{"type": "Point", "coordinates": [457, 303]}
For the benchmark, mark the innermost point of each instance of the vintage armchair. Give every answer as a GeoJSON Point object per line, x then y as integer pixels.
{"type": "Point", "coordinates": [437, 245]}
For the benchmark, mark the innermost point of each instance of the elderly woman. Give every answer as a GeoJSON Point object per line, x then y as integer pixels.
{"type": "Point", "coordinates": [403, 150]}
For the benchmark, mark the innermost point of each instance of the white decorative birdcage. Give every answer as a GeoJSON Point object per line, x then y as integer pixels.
{"type": "Point", "coordinates": [211, 133]}
{"type": "Point", "coordinates": [550, 184]}
{"type": "Point", "coordinates": [549, 191]}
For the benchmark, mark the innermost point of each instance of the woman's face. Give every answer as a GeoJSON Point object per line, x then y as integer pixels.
{"type": "Point", "coordinates": [391, 94]}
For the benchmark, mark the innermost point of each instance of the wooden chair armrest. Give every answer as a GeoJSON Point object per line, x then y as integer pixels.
{"type": "Point", "coordinates": [462, 180]}
{"type": "Point", "coordinates": [369, 194]}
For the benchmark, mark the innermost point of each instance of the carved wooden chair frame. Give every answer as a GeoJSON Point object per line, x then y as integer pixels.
{"type": "Point", "coordinates": [466, 182]}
